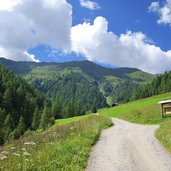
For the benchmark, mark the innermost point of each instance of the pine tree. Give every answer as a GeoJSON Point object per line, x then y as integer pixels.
{"type": "Point", "coordinates": [21, 125]}
{"type": "Point", "coordinates": [57, 109]}
{"type": "Point", "coordinates": [19, 131]}
{"type": "Point", "coordinates": [2, 116]}
{"type": "Point", "coordinates": [36, 119]}
{"type": "Point", "coordinates": [44, 118]}
{"type": "Point", "coordinates": [8, 126]}
{"type": "Point", "coordinates": [2, 136]}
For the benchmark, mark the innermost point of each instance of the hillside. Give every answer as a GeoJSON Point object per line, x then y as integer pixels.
{"type": "Point", "coordinates": [21, 106]}
{"type": "Point", "coordinates": [50, 78]}
{"type": "Point", "coordinates": [145, 111]}
{"type": "Point", "coordinates": [161, 84]}
{"type": "Point", "coordinates": [53, 149]}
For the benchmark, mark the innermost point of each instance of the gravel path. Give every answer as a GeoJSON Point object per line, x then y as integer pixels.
{"type": "Point", "coordinates": [129, 147]}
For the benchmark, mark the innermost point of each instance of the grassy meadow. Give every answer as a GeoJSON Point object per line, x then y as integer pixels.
{"type": "Point", "coordinates": [65, 146]}
{"type": "Point", "coordinates": [145, 111]}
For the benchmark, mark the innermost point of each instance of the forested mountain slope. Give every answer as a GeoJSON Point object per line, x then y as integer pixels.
{"type": "Point", "coordinates": [21, 106]}
{"type": "Point", "coordinates": [84, 78]}
{"type": "Point", "coordinates": [161, 84]}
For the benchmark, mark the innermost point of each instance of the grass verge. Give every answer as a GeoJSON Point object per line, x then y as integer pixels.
{"type": "Point", "coordinates": [164, 134]}
{"type": "Point", "coordinates": [63, 147]}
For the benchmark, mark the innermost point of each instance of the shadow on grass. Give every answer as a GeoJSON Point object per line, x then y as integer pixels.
{"type": "Point", "coordinates": [167, 116]}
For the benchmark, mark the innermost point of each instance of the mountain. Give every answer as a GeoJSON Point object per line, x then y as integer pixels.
{"type": "Point", "coordinates": [89, 82]}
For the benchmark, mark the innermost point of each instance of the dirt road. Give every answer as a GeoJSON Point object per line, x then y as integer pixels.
{"type": "Point", "coordinates": [129, 147]}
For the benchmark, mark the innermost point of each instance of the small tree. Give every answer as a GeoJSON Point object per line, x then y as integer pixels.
{"type": "Point", "coordinates": [57, 109]}
{"type": "Point", "coordinates": [2, 136]}
{"type": "Point", "coordinates": [44, 118]}
{"type": "Point", "coordinates": [8, 126]}
{"type": "Point", "coordinates": [51, 121]}
{"type": "Point", "coordinates": [21, 125]}
{"type": "Point", "coordinates": [94, 110]}
{"type": "Point", "coordinates": [36, 119]}
{"type": "Point", "coordinates": [19, 131]}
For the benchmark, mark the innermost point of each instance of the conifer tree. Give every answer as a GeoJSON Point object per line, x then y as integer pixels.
{"type": "Point", "coordinates": [36, 119]}
{"type": "Point", "coordinates": [8, 126]}
{"type": "Point", "coordinates": [19, 131]}
{"type": "Point", "coordinates": [2, 136]}
{"type": "Point", "coordinates": [21, 126]}
{"type": "Point", "coordinates": [44, 118]}
{"type": "Point", "coordinates": [57, 109]}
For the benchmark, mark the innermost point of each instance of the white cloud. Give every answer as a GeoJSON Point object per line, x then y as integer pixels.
{"type": "Point", "coordinates": [25, 24]}
{"type": "Point", "coordinates": [28, 23]}
{"type": "Point", "coordinates": [89, 4]}
{"type": "Point", "coordinates": [164, 12]}
{"type": "Point", "coordinates": [129, 49]}
{"type": "Point", "coordinates": [8, 5]}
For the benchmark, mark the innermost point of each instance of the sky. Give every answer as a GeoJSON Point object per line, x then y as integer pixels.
{"type": "Point", "coordinates": [116, 33]}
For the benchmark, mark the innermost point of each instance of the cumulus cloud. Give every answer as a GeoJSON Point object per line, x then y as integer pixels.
{"type": "Point", "coordinates": [9, 5]}
{"type": "Point", "coordinates": [28, 23]}
{"type": "Point", "coordinates": [163, 11]}
{"type": "Point", "coordinates": [129, 49]}
{"type": "Point", "coordinates": [90, 4]}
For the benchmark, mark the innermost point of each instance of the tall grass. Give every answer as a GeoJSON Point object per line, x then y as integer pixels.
{"type": "Point", "coordinates": [164, 133]}
{"type": "Point", "coordinates": [64, 147]}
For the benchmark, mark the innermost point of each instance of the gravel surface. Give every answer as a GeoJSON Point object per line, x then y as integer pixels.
{"type": "Point", "coordinates": [129, 147]}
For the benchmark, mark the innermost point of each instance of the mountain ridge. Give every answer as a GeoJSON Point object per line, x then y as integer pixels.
{"type": "Point", "coordinates": [48, 77]}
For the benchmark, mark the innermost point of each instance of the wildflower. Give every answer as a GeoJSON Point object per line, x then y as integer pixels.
{"type": "Point", "coordinates": [2, 157]}
{"type": "Point", "coordinates": [13, 148]}
{"type": "Point", "coordinates": [23, 149]}
{"type": "Point", "coordinates": [15, 154]}
{"type": "Point", "coordinates": [26, 153]}
{"type": "Point", "coordinates": [5, 152]}
{"type": "Point", "coordinates": [30, 143]}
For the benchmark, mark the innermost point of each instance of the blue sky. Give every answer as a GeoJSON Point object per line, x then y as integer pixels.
{"type": "Point", "coordinates": [117, 32]}
{"type": "Point", "coordinates": [122, 16]}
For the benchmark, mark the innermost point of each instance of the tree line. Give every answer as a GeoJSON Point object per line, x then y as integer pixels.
{"type": "Point", "coordinates": [161, 84]}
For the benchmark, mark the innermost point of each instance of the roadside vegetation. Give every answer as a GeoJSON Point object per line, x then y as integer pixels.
{"type": "Point", "coordinates": [145, 111]}
{"type": "Point", "coordinates": [63, 147]}
{"type": "Point", "coordinates": [164, 134]}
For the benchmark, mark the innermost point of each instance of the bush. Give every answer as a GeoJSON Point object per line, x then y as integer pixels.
{"type": "Point", "coordinates": [94, 110]}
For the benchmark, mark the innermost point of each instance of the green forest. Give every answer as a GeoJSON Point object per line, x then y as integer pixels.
{"type": "Point", "coordinates": [24, 108]}
{"type": "Point", "coordinates": [161, 84]}
{"type": "Point", "coordinates": [21, 107]}
{"type": "Point", "coordinates": [83, 82]}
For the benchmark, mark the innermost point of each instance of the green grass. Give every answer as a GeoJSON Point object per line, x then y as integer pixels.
{"type": "Point", "coordinates": [145, 111]}
{"type": "Point", "coordinates": [164, 134]}
{"type": "Point", "coordinates": [66, 146]}
{"type": "Point", "coordinates": [70, 120]}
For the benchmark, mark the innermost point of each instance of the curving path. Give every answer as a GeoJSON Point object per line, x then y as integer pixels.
{"type": "Point", "coordinates": [129, 147]}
